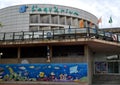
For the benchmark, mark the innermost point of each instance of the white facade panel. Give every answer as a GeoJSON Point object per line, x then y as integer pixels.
{"type": "Point", "coordinates": [47, 14]}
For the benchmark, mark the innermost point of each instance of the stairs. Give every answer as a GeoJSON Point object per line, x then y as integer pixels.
{"type": "Point", "coordinates": [106, 79]}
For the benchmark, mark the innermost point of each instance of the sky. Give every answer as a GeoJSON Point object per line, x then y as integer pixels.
{"type": "Point", "coordinates": [100, 8]}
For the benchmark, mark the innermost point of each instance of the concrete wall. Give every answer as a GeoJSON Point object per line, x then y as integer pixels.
{"type": "Point", "coordinates": [43, 60]}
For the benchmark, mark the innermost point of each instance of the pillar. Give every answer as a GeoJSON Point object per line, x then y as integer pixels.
{"type": "Point", "coordinates": [58, 18]}
{"type": "Point", "coordinates": [49, 53]}
{"type": "Point", "coordinates": [65, 20]}
{"type": "Point", "coordinates": [38, 18]}
{"type": "Point", "coordinates": [71, 21]}
{"type": "Point", "coordinates": [18, 56]}
{"type": "Point", "coordinates": [50, 19]}
{"type": "Point", "coordinates": [86, 24]}
{"type": "Point", "coordinates": [89, 59]}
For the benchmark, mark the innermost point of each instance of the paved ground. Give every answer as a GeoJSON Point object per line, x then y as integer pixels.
{"type": "Point", "coordinates": [106, 84]}
{"type": "Point", "coordinates": [48, 83]}
{"type": "Point", "coordinates": [41, 83]}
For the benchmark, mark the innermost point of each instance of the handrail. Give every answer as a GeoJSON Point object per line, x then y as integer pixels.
{"type": "Point", "coordinates": [59, 34]}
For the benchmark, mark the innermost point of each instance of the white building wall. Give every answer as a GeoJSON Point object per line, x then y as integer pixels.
{"type": "Point", "coordinates": [14, 21]}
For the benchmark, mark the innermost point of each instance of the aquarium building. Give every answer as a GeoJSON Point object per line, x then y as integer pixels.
{"type": "Point", "coordinates": [53, 43]}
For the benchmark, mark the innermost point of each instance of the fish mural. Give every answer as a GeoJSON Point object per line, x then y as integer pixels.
{"type": "Point", "coordinates": [44, 72]}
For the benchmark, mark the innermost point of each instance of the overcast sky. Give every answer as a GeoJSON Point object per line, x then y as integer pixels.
{"type": "Point", "coordinates": [100, 8]}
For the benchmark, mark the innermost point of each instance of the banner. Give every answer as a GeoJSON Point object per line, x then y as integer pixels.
{"type": "Point", "coordinates": [81, 23]}
{"type": "Point", "coordinates": [99, 20]}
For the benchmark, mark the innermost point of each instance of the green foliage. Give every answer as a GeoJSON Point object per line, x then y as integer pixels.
{"type": "Point", "coordinates": [1, 25]}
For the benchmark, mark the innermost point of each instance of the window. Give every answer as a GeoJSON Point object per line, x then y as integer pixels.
{"type": "Point", "coordinates": [100, 67]}
{"type": "Point", "coordinates": [68, 51]}
{"type": "Point", "coordinates": [33, 18]}
{"type": "Point", "coordinates": [107, 67]}
{"type": "Point", "coordinates": [113, 67]}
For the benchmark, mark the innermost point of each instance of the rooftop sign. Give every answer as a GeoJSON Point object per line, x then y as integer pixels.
{"type": "Point", "coordinates": [23, 8]}
{"type": "Point", "coordinates": [55, 9]}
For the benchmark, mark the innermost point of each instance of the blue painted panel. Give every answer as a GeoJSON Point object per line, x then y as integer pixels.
{"type": "Point", "coordinates": [44, 72]}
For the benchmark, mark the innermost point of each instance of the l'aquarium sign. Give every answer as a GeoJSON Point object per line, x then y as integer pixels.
{"type": "Point", "coordinates": [55, 9]}
{"type": "Point", "coordinates": [23, 8]}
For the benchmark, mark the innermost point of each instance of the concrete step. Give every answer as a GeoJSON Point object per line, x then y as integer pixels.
{"type": "Point", "coordinates": [106, 82]}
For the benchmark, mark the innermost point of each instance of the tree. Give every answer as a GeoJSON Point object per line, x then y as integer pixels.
{"type": "Point", "coordinates": [1, 25]}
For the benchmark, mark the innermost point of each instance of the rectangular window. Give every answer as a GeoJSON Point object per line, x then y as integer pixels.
{"type": "Point", "coordinates": [113, 67]}
{"type": "Point", "coordinates": [68, 51]}
{"type": "Point", "coordinates": [100, 67]}
{"type": "Point", "coordinates": [107, 67]}
{"type": "Point", "coordinates": [33, 18]}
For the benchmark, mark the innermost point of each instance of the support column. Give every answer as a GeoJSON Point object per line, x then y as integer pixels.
{"type": "Point", "coordinates": [50, 19]}
{"type": "Point", "coordinates": [71, 21]}
{"type": "Point", "coordinates": [65, 20]}
{"type": "Point", "coordinates": [58, 18]}
{"type": "Point", "coordinates": [38, 28]}
{"type": "Point", "coordinates": [77, 23]}
{"type": "Point", "coordinates": [86, 24]}
{"type": "Point", "coordinates": [0, 57]}
{"type": "Point", "coordinates": [49, 53]}
{"type": "Point", "coordinates": [89, 59]}
{"type": "Point", "coordinates": [38, 18]}
{"type": "Point", "coordinates": [18, 56]}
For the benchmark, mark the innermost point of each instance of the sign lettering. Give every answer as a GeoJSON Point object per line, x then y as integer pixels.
{"type": "Point", "coordinates": [55, 9]}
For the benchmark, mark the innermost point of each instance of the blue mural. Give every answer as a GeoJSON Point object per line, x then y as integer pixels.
{"type": "Point", "coordinates": [43, 72]}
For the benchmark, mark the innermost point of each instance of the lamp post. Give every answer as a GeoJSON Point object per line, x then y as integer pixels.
{"type": "Point", "coordinates": [0, 56]}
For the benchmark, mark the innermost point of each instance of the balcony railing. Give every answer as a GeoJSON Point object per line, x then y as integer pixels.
{"type": "Point", "coordinates": [56, 34]}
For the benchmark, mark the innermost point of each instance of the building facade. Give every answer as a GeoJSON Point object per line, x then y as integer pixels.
{"type": "Point", "coordinates": [44, 42]}
{"type": "Point", "coordinates": [43, 16]}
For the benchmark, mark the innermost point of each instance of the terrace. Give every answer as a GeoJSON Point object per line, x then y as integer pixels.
{"type": "Point", "coordinates": [59, 34]}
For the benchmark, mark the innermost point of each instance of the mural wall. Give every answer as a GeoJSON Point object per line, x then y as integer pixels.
{"type": "Point", "coordinates": [44, 72]}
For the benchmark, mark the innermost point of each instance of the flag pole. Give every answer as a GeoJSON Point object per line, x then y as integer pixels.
{"type": "Point", "coordinates": [111, 24]}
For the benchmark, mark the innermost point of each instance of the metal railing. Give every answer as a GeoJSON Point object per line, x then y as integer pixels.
{"type": "Point", "coordinates": [68, 33]}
